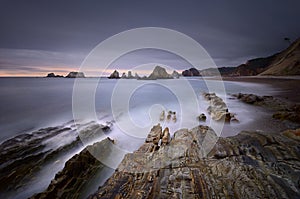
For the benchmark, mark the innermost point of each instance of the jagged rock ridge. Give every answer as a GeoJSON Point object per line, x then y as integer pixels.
{"type": "Point", "coordinates": [249, 165]}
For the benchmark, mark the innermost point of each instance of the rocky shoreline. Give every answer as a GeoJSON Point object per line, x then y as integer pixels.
{"type": "Point", "coordinates": [193, 163]}
{"type": "Point", "coordinates": [249, 165]}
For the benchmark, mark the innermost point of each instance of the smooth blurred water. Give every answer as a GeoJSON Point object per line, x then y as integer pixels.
{"type": "Point", "coordinates": [31, 103]}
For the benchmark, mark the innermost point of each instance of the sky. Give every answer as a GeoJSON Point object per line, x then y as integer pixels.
{"type": "Point", "coordinates": [42, 36]}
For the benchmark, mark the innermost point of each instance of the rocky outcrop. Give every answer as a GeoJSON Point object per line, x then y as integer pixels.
{"type": "Point", "coordinates": [129, 75]}
{"type": "Point", "coordinates": [175, 74]}
{"type": "Point", "coordinates": [136, 76]}
{"type": "Point", "coordinates": [218, 109]}
{"type": "Point", "coordinates": [191, 72]}
{"type": "Point", "coordinates": [249, 165]}
{"type": "Point", "coordinates": [114, 75]}
{"type": "Point", "coordinates": [283, 110]}
{"type": "Point", "coordinates": [124, 76]}
{"type": "Point", "coordinates": [159, 73]}
{"type": "Point", "coordinates": [24, 156]}
{"type": "Point", "coordinates": [53, 75]}
{"type": "Point", "coordinates": [202, 117]}
{"type": "Point", "coordinates": [69, 182]}
{"type": "Point", "coordinates": [75, 75]}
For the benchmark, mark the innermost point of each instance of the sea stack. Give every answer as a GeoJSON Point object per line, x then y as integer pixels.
{"type": "Point", "coordinates": [114, 75]}
{"type": "Point", "coordinates": [53, 75]}
{"type": "Point", "coordinates": [191, 72]}
{"type": "Point", "coordinates": [75, 75]}
{"type": "Point", "coordinates": [159, 73]}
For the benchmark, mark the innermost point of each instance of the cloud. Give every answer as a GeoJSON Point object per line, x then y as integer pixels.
{"type": "Point", "coordinates": [36, 62]}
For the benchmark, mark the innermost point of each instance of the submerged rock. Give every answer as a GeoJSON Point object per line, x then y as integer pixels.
{"type": "Point", "coordinates": [249, 165]}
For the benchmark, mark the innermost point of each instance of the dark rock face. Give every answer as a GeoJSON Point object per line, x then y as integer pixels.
{"type": "Point", "coordinates": [69, 182]}
{"type": "Point", "coordinates": [53, 75]}
{"type": "Point", "coordinates": [249, 165]}
{"type": "Point", "coordinates": [114, 75]}
{"type": "Point", "coordinates": [75, 75]}
{"type": "Point", "coordinates": [191, 72]}
{"type": "Point", "coordinates": [159, 73]}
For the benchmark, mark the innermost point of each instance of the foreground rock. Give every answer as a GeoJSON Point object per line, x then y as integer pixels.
{"type": "Point", "coordinates": [70, 182]}
{"type": "Point", "coordinates": [283, 110]}
{"type": "Point", "coordinates": [249, 165]}
{"type": "Point", "coordinates": [23, 157]}
{"type": "Point", "coordinates": [75, 75]}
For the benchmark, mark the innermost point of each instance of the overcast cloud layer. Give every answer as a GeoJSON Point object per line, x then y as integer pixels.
{"type": "Point", "coordinates": [38, 37]}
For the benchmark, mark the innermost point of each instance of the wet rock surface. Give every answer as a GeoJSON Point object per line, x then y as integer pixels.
{"type": "Point", "coordinates": [24, 156]}
{"type": "Point", "coordinates": [283, 110]}
{"type": "Point", "coordinates": [218, 109]}
{"type": "Point", "coordinates": [248, 165]}
{"type": "Point", "coordinates": [70, 182]}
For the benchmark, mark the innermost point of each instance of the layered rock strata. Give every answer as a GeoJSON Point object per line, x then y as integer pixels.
{"type": "Point", "coordinates": [249, 165]}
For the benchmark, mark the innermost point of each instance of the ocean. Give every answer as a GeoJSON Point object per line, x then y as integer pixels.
{"type": "Point", "coordinates": [131, 107]}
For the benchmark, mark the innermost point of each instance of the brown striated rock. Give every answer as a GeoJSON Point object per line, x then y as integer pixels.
{"type": "Point", "coordinates": [249, 165]}
{"type": "Point", "coordinates": [166, 137]}
{"type": "Point", "coordinates": [218, 109]}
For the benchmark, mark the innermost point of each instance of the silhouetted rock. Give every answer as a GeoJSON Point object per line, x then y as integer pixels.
{"type": "Point", "coordinates": [114, 75]}
{"type": "Point", "coordinates": [53, 75]}
{"type": "Point", "coordinates": [124, 76]}
{"type": "Point", "coordinates": [75, 75]}
{"type": "Point", "coordinates": [159, 73]}
{"type": "Point", "coordinates": [191, 72]}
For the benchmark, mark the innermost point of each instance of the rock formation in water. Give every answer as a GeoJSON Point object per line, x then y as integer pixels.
{"type": "Point", "coordinates": [70, 182]}
{"type": "Point", "coordinates": [136, 76]}
{"type": "Point", "coordinates": [248, 165]}
{"type": "Point", "coordinates": [22, 157]}
{"type": "Point", "coordinates": [283, 110]}
{"type": "Point", "coordinates": [129, 75]}
{"type": "Point", "coordinates": [175, 74]}
{"type": "Point", "coordinates": [159, 73]}
{"type": "Point", "coordinates": [218, 109]}
{"type": "Point", "coordinates": [191, 72]}
{"type": "Point", "coordinates": [124, 76]}
{"type": "Point", "coordinates": [114, 75]}
{"type": "Point", "coordinates": [53, 75]}
{"type": "Point", "coordinates": [75, 75]}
